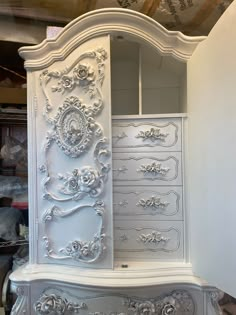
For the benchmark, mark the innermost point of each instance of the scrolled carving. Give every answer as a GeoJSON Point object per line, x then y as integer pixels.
{"type": "Point", "coordinates": [80, 74]}
{"type": "Point", "coordinates": [59, 302]}
{"type": "Point", "coordinates": [153, 134]}
{"type": "Point", "coordinates": [75, 127]}
{"type": "Point", "coordinates": [215, 296]}
{"type": "Point", "coordinates": [141, 240]}
{"type": "Point", "coordinates": [154, 168]}
{"type": "Point", "coordinates": [87, 181]}
{"type": "Point", "coordinates": [176, 303]}
{"type": "Point", "coordinates": [21, 305]}
{"type": "Point", "coordinates": [87, 251]}
{"type": "Point", "coordinates": [82, 181]}
{"type": "Point", "coordinates": [52, 304]}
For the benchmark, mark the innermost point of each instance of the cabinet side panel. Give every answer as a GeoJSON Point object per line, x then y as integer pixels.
{"type": "Point", "coordinates": [32, 166]}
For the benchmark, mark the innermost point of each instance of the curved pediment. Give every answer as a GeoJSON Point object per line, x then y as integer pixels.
{"type": "Point", "coordinates": [110, 21]}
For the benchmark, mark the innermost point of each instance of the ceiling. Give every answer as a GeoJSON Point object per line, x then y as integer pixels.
{"type": "Point", "coordinates": [192, 17]}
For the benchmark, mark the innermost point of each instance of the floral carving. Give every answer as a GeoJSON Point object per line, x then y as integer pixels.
{"type": "Point", "coordinates": [79, 250]}
{"type": "Point", "coordinates": [89, 178]}
{"type": "Point", "coordinates": [54, 304]}
{"type": "Point", "coordinates": [67, 82]}
{"type": "Point", "coordinates": [153, 237]}
{"type": "Point", "coordinates": [142, 308]}
{"type": "Point", "coordinates": [154, 168]}
{"type": "Point", "coordinates": [80, 74]}
{"type": "Point", "coordinates": [215, 296]}
{"type": "Point", "coordinates": [85, 181]}
{"type": "Point", "coordinates": [168, 309]}
{"type": "Point", "coordinates": [153, 202]}
{"type": "Point", "coordinates": [22, 304]}
{"type": "Point", "coordinates": [176, 303]}
{"type": "Point", "coordinates": [84, 73]}
{"type": "Point", "coordinates": [80, 182]}
{"type": "Point", "coordinates": [153, 134]}
{"type": "Point", "coordinates": [86, 251]}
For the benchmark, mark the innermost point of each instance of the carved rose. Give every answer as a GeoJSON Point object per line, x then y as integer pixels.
{"type": "Point", "coordinates": [168, 309]}
{"type": "Point", "coordinates": [89, 179]}
{"type": "Point", "coordinates": [50, 303]}
{"type": "Point", "coordinates": [101, 54]}
{"type": "Point", "coordinates": [67, 82]}
{"type": "Point", "coordinates": [145, 308]}
{"type": "Point", "coordinates": [83, 250]}
{"type": "Point", "coordinates": [73, 184]}
{"type": "Point", "coordinates": [84, 73]}
{"type": "Point", "coordinates": [80, 182]}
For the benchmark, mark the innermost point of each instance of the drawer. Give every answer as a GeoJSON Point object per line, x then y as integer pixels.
{"type": "Point", "coordinates": [156, 134]}
{"type": "Point", "coordinates": [147, 203]}
{"type": "Point", "coordinates": [147, 168]}
{"type": "Point", "coordinates": [57, 298]}
{"type": "Point", "coordinates": [148, 240]}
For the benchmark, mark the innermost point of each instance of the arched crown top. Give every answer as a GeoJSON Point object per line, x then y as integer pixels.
{"type": "Point", "coordinates": [108, 21]}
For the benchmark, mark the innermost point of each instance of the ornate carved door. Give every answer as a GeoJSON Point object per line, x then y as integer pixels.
{"type": "Point", "coordinates": [70, 125]}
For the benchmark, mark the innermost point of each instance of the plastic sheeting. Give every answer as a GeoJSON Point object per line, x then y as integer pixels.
{"type": "Point", "coordinates": [9, 223]}
{"type": "Point", "coordinates": [11, 186]}
{"type": "Point", "coordinates": [192, 17]}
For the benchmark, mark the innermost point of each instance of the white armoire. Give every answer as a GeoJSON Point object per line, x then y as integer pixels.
{"type": "Point", "coordinates": [132, 169]}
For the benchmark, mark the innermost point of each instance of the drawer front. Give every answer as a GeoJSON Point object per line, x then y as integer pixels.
{"type": "Point", "coordinates": [148, 240]}
{"type": "Point", "coordinates": [147, 203]}
{"type": "Point", "coordinates": [158, 134]}
{"type": "Point", "coordinates": [54, 298]}
{"type": "Point", "coordinates": [147, 168]}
